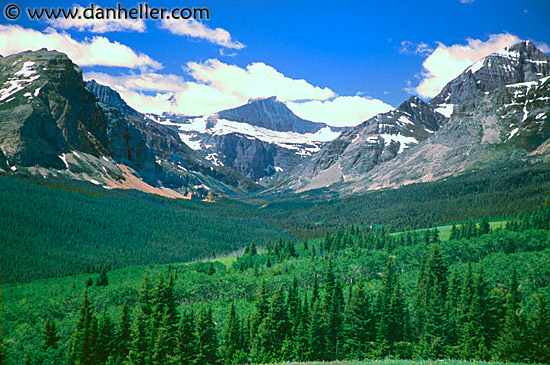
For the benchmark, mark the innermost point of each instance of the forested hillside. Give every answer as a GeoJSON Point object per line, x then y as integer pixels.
{"type": "Point", "coordinates": [358, 293]}
{"type": "Point", "coordinates": [72, 229]}
{"type": "Point", "coordinates": [121, 228]}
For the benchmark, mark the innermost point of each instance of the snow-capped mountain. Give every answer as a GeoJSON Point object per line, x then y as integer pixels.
{"type": "Point", "coordinates": [498, 108]}
{"type": "Point", "coordinates": [52, 124]}
{"type": "Point", "coordinates": [377, 140]}
{"type": "Point", "coordinates": [257, 139]}
{"type": "Point", "coordinates": [522, 62]}
{"type": "Point", "coordinates": [506, 123]}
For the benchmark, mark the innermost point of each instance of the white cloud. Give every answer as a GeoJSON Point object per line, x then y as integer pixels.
{"type": "Point", "coordinates": [256, 80]}
{"type": "Point", "coordinates": [195, 29]}
{"type": "Point", "coordinates": [408, 47]}
{"type": "Point", "coordinates": [466, 1]}
{"type": "Point", "coordinates": [98, 25]}
{"type": "Point", "coordinates": [341, 111]}
{"type": "Point", "coordinates": [144, 82]}
{"type": "Point", "coordinates": [447, 62]}
{"type": "Point", "coordinates": [216, 86]}
{"type": "Point", "coordinates": [98, 51]}
{"type": "Point", "coordinates": [543, 47]}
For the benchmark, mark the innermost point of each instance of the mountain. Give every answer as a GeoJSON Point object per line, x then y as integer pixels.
{"type": "Point", "coordinates": [271, 114]}
{"type": "Point", "coordinates": [257, 139]}
{"type": "Point", "coordinates": [45, 111]}
{"type": "Point", "coordinates": [522, 62]}
{"type": "Point", "coordinates": [54, 125]}
{"type": "Point", "coordinates": [375, 141]}
{"type": "Point", "coordinates": [498, 109]}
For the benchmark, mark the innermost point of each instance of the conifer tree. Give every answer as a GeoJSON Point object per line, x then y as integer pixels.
{"type": "Point", "coordinates": [185, 340]}
{"type": "Point", "coordinates": [275, 325]}
{"type": "Point", "coordinates": [316, 334]}
{"type": "Point", "coordinates": [206, 343]}
{"type": "Point", "coordinates": [358, 325]}
{"type": "Point", "coordinates": [142, 342]}
{"type": "Point", "coordinates": [539, 329]}
{"type": "Point", "coordinates": [211, 269]}
{"type": "Point", "coordinates": [231, 335]}
{"type": "Point", "coordinates": [511, 343]}
{"type": "Point", "coordinates": [107, 338]}
{"type": "Point", "coordinates": [124, 332]}
{"type": "Point", "coordinates": [102, 279]}
{"type": "Point", "coordinates": [83, 347]}
{"type": "Point", "coordinates": [50, 335]}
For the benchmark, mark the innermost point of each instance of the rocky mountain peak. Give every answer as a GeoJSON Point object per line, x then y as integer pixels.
{"type": "Point", "coordinates": [519, 63]}
{"type": "Point", "coordinates": [271, 114]}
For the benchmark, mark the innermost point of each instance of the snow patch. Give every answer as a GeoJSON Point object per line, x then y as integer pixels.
{"type": "Point", "coordinates": [213, 157]}
{"type": "Point", "coordinates": [64, 159]}
{"type": "Point", "coordinates": [26, 70]}
{"type": "Point", "coordinates": [37, 91]}
{"type": "Point", "coordinates": [404, 142]}
{"type": "Point", "coordinates": [95, 182]}
{"type": "Point", "coordinates": [445, 109]}
{"type": "Point", "coordinates": [404, 120]}
{"type": "Point", "coordinates": [476, 66]}
{"type": "Point", "coordinates": [513, 133]}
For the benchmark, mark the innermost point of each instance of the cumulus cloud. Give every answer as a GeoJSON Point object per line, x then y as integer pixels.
{"type": "Point", "coordinates": [447, 62]}
{"type": "Point", "coordinates": [256, 80]}
{"type": "Point", "coordinates": [340, 111]}
{"type": "Point", "coordinates": [98, 25]}
{"type": "Point", "coordinates": [97, 51]}
{"type": "Point", "coordinates": [194, 29]}
{"type": "Point", "coordinates": [216, 86]}
{"type": "Point", "coordinates": [408, 47]}
{"type": "Point", "coordinates": [145, 81]}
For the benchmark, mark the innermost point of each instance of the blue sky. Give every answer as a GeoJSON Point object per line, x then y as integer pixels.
{"type": "Point", "coordinates": [338, 64]}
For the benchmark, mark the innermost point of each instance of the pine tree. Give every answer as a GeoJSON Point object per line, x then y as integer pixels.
{"type": "Point", "coordinates": [141, 346]}
{"type": "Point", "coordinates": [49, 334]}
{"type": "Point", "coordinates": [451, 315]}
{"type": "Point", "coordinates": [316, 335]}
{"type": "Point", "coordinates": [231, 337]}
{"type": "Point", "coordinates": [124, 334]}
{"type": "Point", "coordinates": [539, 329]}
{"type": "Point", "coordinates": [390, 312]}
{"type": "Point", "coordinates": [106, 343]}
{"type": "Point", "coordinates": [511, 343]}
{"type": "Point", "coordinates": [206, 343]}
{"type": "Point", "coordinates": [484, 226]}
{"type": "Point", "coordinates": [358, 325]}
{"type": "Point", "coordinates": [83, 347]}
{"type": "Point", "coordinates": [275, 325]}
{"type": "Point", "coordinates": [185, 340]}
{"type": "Point", "coordinates": [102, 279]}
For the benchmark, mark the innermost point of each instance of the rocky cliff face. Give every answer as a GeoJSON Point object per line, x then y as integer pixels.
{"type": "Point", "coordinates": [521, 62]}
{"type": "Point", "coordinates": [45, 110]}
{"type": "Point", "coordinates": [256, 139]}
{"type": "Point", "coordinates": [500, 108]}
{"type": "Point", "coordinates": [506, 123]}
{"type": "Point", "coordinates": [54, 124]}
{"type": "Point", "coordinates": [375, 141]}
